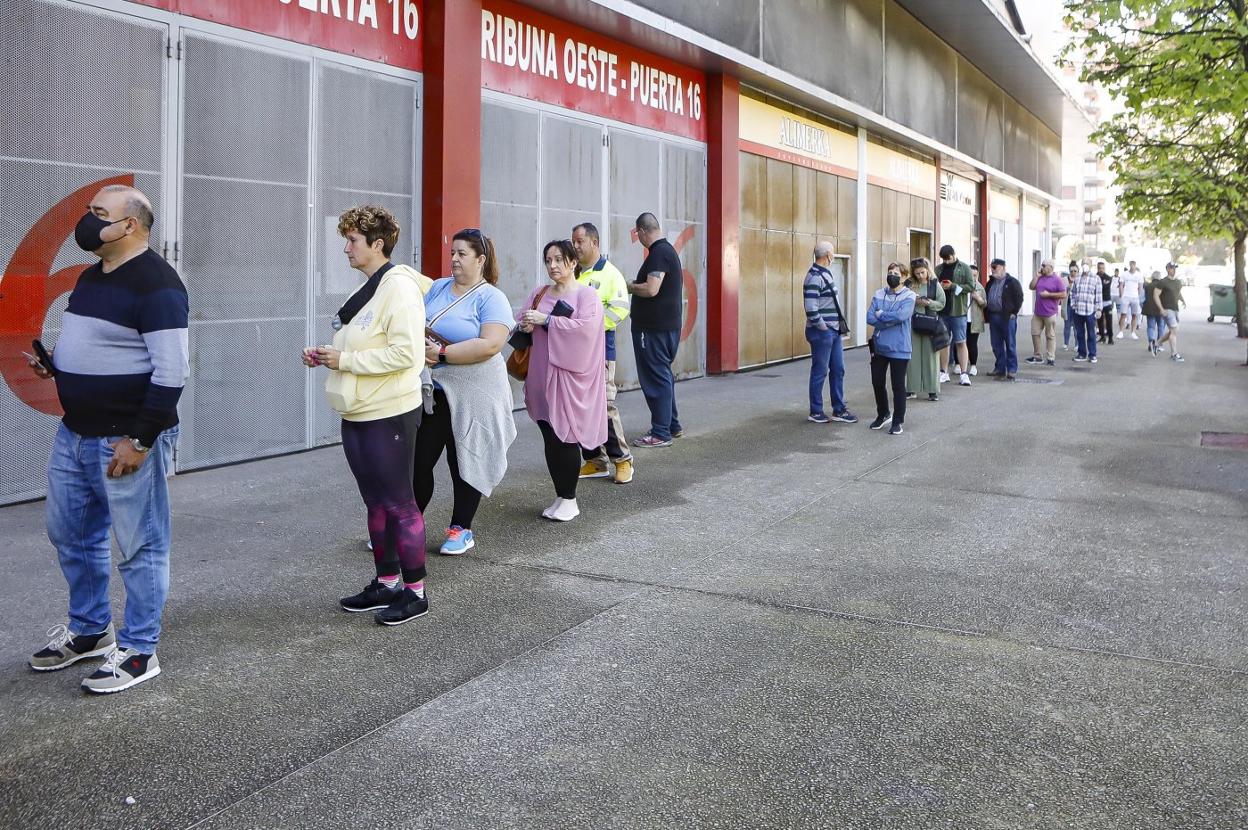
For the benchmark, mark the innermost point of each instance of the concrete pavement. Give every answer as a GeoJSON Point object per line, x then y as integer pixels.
{"type": "Point", "coordinates": [1027, 611]}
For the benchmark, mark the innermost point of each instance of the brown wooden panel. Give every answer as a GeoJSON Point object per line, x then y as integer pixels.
{"type": "Point", "coordinates": [752, 304]}
{"type": "Point", "coordinates": [779, 195]}
{"type": "Point", "coordinates": [779, 301]}
{"type": "Point", "coordinates": [803, 254]}
{"type": "Point", "coordinates": [827, 200]}
{"type": "Point", "coordinates": [875, 213]}
{"type": "Point", "coordinates": [889, 217]}
{"type": "Point", "coordinates": [916, 213]}
{"type": "Point", "coordinates": [876, 265]}
{"type": "Point", "coordinates": [929, 213]}
{"type": "Point", "coordinates": [804, 198]}
{"type": "Point", "coordinates": [753, 191]}
{"type": "Point", "coordinates": [846, 207]}
{"type": "Point", "coordinates": [901, 221]}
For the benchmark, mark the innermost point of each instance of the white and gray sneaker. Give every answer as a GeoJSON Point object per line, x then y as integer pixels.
{"type": "Point", "coordinates": [122, 668]}
{"type": "Point", "coordinates": [67, 648]}
{"type": "Point", "coordinates": [965, 380]}
{"type": "Point", "coordinates": [944, 377]}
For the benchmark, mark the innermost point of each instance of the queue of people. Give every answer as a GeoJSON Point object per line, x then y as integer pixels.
{"type": "Point", "coordinates": [415, 370]}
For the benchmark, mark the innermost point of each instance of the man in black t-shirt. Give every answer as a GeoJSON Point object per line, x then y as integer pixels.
{"type": "Point", "coordinates": [657, 297]}
{"type": "Point", "coordinates": [1105, 323]}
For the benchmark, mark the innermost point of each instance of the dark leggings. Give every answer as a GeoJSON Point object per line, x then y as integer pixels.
{"type": "Point", "coordinates": [435, 435]}
{"type": "Point", "coordinates": [379, 454]}
{"type": "Point", "coordinates": [972, 348]}
{"type": "Point", "coordinates": [880, 365]}
{"type": "Point", "coordinates": [563, 461]}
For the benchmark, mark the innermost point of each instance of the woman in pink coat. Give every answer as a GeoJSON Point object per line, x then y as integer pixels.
{"type": "Point", "coordinates": [565, 391]}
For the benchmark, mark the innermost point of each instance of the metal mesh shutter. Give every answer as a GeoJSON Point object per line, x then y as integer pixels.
{"type": "Point", "coordinates": [59, 133]}
{"type": "Point", "coordinates": [542, 173]}
{"type": "Point", "coordinates": [684, 220]}
{"type": "Point", "coordinates": [380, 170]}
{"type": "Point", "coordinates": [635, 164]}
{"type": "Point", "coordinates": [244, 249]}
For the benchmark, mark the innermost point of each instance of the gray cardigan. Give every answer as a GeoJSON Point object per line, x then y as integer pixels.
{"type": "Point", "coordinates": [479, 395]}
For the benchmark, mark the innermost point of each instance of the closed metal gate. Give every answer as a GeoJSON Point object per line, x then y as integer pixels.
{"type": "Point", "coordinates": [249, 148]}
{"type": "Point", "coordinates": [543, 171]}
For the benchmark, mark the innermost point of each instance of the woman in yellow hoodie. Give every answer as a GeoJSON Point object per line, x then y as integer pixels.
{"type": "Point", "coordinates": [374, 384]}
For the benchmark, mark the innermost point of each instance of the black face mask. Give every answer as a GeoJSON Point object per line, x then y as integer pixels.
{"type": "Point", "coordinates": [87, 231]}
{"type": "Point", "coordinates": [894, 279]}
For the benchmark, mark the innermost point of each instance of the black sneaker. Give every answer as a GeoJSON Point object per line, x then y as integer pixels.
{"type": "Point", "coordinates": [932, 396]}
{"type": "Point", "coordinates": [911, 395]}
{"type": "Point", "coordinates": [1050, 363]}
{"type": "Point", "coordinates": [895, 429]}
{"type": "Point", "coordinates": [371, 598]}
{"type": "Point", "coordinates": [66, 648]}
{"type": "Point", "coordinates": [1034, 359]}
{"type": "Point", "coordinates": [881, 422]}
{"type": "Point", "coordinates": [406, 607]}
{"type": "Point", "coordinates": [845, 417]}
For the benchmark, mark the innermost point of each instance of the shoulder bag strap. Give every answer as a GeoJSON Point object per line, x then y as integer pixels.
{"type": "Point", "coordinates": [457, 301]}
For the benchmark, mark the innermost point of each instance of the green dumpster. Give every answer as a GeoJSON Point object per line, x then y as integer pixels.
{"type": "Point", "coordinates": [1222, 302]}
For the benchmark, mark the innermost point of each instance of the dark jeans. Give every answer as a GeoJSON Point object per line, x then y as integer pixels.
{"type": "Point", "coordinates": [880, 366]}
{"type": "Point", "coordinates": [381, 456]}
{"type": "Point", "coordinates": [434, 436]}
{"type": "Point", "coordinates": [655, 351]}
{"type": "Point", "coordinates": [1085, 325]}
{"type": "Point", "coordinates": [1105, 325]}
{"type": "Point", "coordinates": [972, 348]}
{"type": "Point", "coordinates": [1004, 329]}
{"type": "Point", "coordinates": [563, 460]}
{"type": "Point", "coordinates": [827, 362]}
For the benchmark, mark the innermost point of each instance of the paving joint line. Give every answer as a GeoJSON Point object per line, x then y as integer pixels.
{"type": "Point", "coordinates": [381, 726]}
{"type": "Point", "coordinates": [522, 654]}
{"type": "Point", "coordinates": [850, 615]}
{"type": "Point", "coordinates": [1006, 495]}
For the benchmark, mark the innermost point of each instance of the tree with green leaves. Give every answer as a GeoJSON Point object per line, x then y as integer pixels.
{"type": "Point", "coordinates": [1179, 145]}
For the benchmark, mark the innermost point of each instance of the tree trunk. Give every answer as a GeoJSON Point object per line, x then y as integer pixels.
{"type": "Point", "coordinates": [1241, 289]}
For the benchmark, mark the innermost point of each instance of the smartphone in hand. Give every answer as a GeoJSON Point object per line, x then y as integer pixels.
{"type": "Point", "coordinates": [43, 356]}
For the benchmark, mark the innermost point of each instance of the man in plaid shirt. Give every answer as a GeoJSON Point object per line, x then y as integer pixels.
{"type": "Point", "coordinates": [1085, 305]}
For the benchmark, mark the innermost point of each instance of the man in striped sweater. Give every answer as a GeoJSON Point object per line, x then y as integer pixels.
{"type": "Point", "coordinates": [823, 332]}
{"type": "Point", "coordinates": [119, 366]}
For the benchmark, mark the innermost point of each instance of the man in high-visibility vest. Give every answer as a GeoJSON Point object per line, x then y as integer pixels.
{"type": "Point", "coordinates": [594, 269]}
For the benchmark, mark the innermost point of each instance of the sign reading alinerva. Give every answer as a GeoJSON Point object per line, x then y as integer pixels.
{"type": "Point", "coordinates": [766, 130]}
{"type": "Point", "coordinates": [526, 53]}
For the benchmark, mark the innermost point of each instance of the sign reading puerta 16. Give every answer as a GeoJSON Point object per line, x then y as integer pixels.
{"type": "Point", "coordinates": [527, 53]}
{"type": "Point", "coordinates": [389, 31]}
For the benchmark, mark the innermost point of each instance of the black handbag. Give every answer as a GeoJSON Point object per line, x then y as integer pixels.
{"type": "Point", "coordinates": [929, 325]}
{"type": "Point", "coordinates": [843, 327]}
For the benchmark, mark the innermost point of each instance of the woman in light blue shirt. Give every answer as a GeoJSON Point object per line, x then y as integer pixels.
{"type": "Point", "coordinates": [891, 347]}
{"type": "Point", "coordinates": [469, 413]}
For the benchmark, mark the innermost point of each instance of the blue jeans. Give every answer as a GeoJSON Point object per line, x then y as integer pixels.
{"type": "Point", "coordinates": [1156, 327]}
{"type": "Point", "coordinates": [1085, 334]}
{"type": "Point", "coordinates": [1004, 330]}
{"type": "Point", "coordinates": [1068, 326]}
{"type": "Point", "coordinates": [655, 352]}
{"type": "Point", "coordinates": [827, 358]}
{"type": "Point", "coordinates": [83, 504]}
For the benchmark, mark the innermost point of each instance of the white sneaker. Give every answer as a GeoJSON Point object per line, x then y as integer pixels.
{"type": "Point", "coordinates": [1134, 336]}
{"type": "Point", "coordinates": [565, 511]}
{"type": "Point", "coordinates": [974, 371]}
{"type": "Point", "coordinates": [553, 506]}
{"type": "Point", "coordinates": [965, 380]}
{"type": "Point", "coordinates": [1121, 334]}
{"type": "Point", "coordinates": [944, 377]}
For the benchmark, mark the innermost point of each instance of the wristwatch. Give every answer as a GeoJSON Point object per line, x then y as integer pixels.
{"type": "Point", "coordinates": [138, 445]}
{"type": "Point", "coordinates": [442, 353]}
